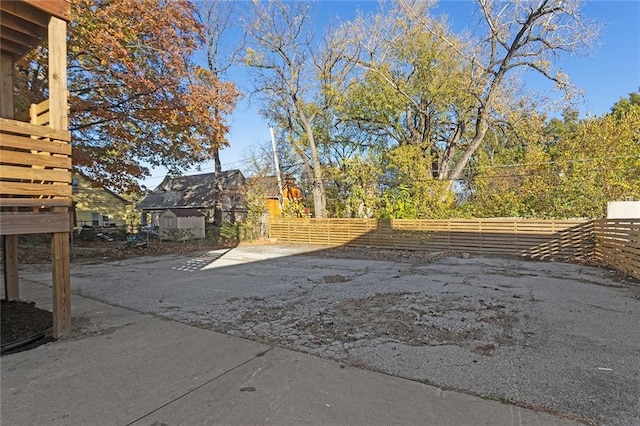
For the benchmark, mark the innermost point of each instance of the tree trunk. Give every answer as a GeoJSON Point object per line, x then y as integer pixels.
{"type": "Point", "coordinates": [318, 191]}
{"type": "Point", "coordinates": [319, 199]}
{"type": "Point", "coordinates": [217, 209]}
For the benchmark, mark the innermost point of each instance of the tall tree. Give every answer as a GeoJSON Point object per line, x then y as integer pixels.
{"type": "Point", "coordinates": [566, 168]}
{"type": "Point", "coordinates": [137, 99]}
{"type": "Point", "coordinates": [280, 49]}
{"type": "Point", "coordinates": [443, 94]}
{"type": "Point", "coordinates": [295, 74]}
{"type": "Point", "coordinates": [599, 162]}
{"type": "Point", "coordinates": [218, 19]}
{"type": "Point", "coordinates": [415, 91]}
{"type": "Point", "coordinates": [520, 35]}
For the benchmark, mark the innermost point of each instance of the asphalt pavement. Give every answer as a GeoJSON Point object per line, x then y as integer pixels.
{"type": "Point", "coordinates": [122, 367]}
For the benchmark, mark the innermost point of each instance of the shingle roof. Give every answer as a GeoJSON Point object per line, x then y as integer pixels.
{"type": "Point", "coordinates": [269, 185]}
{"type": "Point", "coordinates": [265, 184]}
{"type": "Point", "coordinates": [186, 212]}
{"type": "Point", "coordinates": [196, 191]}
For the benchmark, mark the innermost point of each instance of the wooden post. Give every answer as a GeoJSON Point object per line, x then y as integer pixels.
{"type": "Point", "coordinates": [9, 242]}
{"type": "Point", "coordinates": [58, 119]}
{"type": "Point", "coordinates": [58, 116]}
{"type": "Point", "coordinates": [61, 284]}
{"type": "Point", "coordinates": [6, 86]}
{"type": "Point", "coordinates": [11, 281]}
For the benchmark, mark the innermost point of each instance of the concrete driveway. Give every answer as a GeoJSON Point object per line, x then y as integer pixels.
{"type": "Point", "coordinates": [558, 337]}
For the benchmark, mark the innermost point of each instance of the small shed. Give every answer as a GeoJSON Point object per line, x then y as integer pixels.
{"type": "Point", "coordinates": [182, 224]}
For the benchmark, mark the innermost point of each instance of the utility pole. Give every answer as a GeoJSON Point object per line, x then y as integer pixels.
{"type": "Point", "coordinates": [275, 160]}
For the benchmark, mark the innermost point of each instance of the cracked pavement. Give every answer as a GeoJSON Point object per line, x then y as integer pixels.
{"type": "Point", "coordinates": [559, 337]}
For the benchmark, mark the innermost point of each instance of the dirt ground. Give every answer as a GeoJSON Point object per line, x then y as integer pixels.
{"type": "Point", "coordinates": [38, 250]}
{"type": "Point", "coordinates": [553, 336]}
{"type": "Point", "coordinates": [22, 322]}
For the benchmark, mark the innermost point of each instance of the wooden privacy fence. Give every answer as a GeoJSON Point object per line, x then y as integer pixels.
{"type": "Point", "coordinates": [541, 239]}
{"type": "Point", "coordinates": [617, 243]}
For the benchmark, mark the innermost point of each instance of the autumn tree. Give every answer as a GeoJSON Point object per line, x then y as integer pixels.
{"type": "Point", "coordinates": [414, 90]}
{"type": "Point", "coordinates": [295, 76]}
{"type": "Point", "coordinates": [511, 173]}
{"type": "Point", "coordinates": [137, 99]}
{"type": "Point", "coordinates": [560, 168]}
{"type": "Point", "coordinates": [626, 104]}
{"type": "Point", "coordinates": [600, 162]}
{"type": "Point", "coordinates": [218, 19]}
{"type": "Point", "coordinates": [522, 35]}
{"type": "Point", "coordinates": [440, 93]}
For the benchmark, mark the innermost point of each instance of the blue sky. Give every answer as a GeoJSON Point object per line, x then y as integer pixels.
{"type": "Point", "coordinates": [610, 71]}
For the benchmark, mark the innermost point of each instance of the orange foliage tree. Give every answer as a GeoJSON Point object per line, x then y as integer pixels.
{"type": "Point", "coordinates": [137, 98]}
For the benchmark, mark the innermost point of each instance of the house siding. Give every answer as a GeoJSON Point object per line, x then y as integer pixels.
{"type": "Point", "coordinates": [90, 200]}
{"type": "Point", "coordinates": [170, 221]}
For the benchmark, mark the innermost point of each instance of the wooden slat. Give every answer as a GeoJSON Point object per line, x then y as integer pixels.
{"type": "Point", "coordinates": [42, 203]}
{"type": "Point", "coordinates": [534, 238]}
{"type": "Point", "coordinates": [27, 173]}
{"type": "Point", "coordinates": [35, 189]}
{"type": "Point", "coordinates": [618, 244]}
{"type": "Point", "coordinates": [29, 159]}
{"type": "Point", "coordinates": [37, 109]}
{"type": "Point", "coordinates": [13, 36]}
{"type": "Point", "coordinates": [15, 49]}
{"type": "Point", "coordinates": [37, 223]}
{"type": "Point", "coordinates": [42, 119]}
{"type": "Point", "coordinates": [19, 127]}
{"type": "Point", "coordinates": [33, 33]}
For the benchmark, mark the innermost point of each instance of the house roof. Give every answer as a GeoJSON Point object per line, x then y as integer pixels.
{"type": "Point", "coordinates": [269, 185]}
{"type": "Point", "coordinates": [96, 184]}
{"type": "Point", "coordinates": [195, 191]}
{"type": "Point", "coordinates": [265, 184]}
{"type": "Point", "coordinates": [186, 212]}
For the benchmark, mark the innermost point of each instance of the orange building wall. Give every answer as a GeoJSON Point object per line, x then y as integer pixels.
{"type": "Point", "coordinates": [288, 194]}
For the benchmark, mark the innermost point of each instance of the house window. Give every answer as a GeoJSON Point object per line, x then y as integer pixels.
{"type": "Point", "coordinates": [105, 220]}
{"type": "Point", "coordinates": [95, 219]}
{"type": "Point", "coordinates": [75, 185]}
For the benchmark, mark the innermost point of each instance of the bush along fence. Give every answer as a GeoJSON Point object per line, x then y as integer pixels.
{"type": "Point", "coordinates": [614, 242]}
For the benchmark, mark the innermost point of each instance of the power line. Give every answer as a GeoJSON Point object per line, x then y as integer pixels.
{"type": "Point", "coordinates": [245, 162]}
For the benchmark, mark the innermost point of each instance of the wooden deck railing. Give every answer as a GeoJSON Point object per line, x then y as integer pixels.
{"type": "Point", "coordinates": [36, 114]}
{"type": "Point", "coordinates": [34, 178]}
